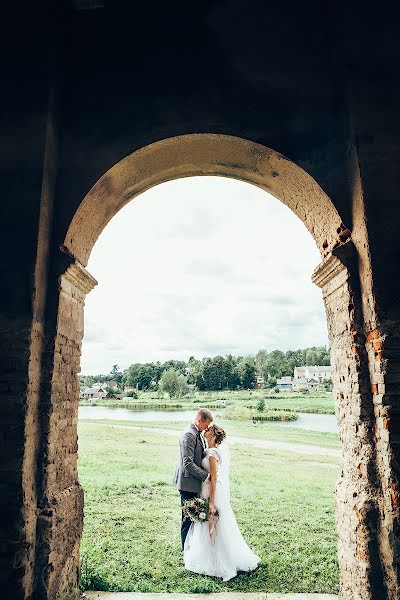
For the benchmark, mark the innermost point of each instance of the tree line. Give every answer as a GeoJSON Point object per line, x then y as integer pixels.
{"type": "Point", "coordinates": [216, 373]}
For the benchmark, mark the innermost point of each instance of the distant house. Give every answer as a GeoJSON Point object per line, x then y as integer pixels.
{"type": "Point", "coordinates": [311, 377]}
{"type": "Point", "coordinates": [89, 392]}
{"type": "Point", "coordinates": [284, 383]}
{"type": "Point", "coordinates": [105, 395]}
{"type": "Point", "coordinates": [299, 372]}
{"type": "Point", "coordinates": [98, 390]}
{"type": "Point", "coordinates": [320, 373]}
{"type": "Point", "coordinates": [302, 383]}
{"type": "Point", "coordinates": [260, 381]}
{"type": "Point", "coordinates": [312, 384]}
{"type": "Point", "coordinates": [111, 383]}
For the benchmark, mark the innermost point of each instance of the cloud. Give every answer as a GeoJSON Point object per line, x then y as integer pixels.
{"type": "Point", "coordinates": [211, 268]}
{"type": "Point", "coordinates": [197, 226]}
{"type": "Point", "coordinates": [203, 266]}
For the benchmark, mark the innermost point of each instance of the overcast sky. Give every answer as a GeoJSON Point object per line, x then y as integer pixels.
{"type": "Point", "coordinates": [201, 266]}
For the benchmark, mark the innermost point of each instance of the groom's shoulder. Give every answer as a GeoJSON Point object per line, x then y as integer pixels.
{"type": "Point", "coordinates": [190, 430]}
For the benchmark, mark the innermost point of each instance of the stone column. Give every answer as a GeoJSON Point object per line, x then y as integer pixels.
{"type": "Point", "coordinates": [372, 95]}
{"type": "Point", "coordinates": [357, 492]}
{"type": "Point", "coordinates": [60, 512]}
{"type": "Point", "coordinates": [380, 297]}
{"type": "Point", "coordinates": [383, 345]}
{"type": "Point", "coordinates": [29, 172]}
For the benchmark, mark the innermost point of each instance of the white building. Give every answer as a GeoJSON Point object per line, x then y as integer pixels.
{"type": "Point", "coordinates": [299, 372]}
{"type": "Point", "coordinates": [319, 373]}
{"type": "Point", "coordinates": [260, 381]}
{"type": "Point", "coordinates": [96, 391]}
{"type": "Point", "coordinates": [302, 383]}
{"type": "Point", "coordinates": [284, 383]}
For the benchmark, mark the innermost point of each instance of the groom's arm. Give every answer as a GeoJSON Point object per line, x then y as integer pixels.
{"type": "Point", "coordinates": [188, 445]}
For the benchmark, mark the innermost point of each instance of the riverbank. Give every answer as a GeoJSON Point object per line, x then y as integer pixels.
{"type": "Point", "coordinates": [313, 402]}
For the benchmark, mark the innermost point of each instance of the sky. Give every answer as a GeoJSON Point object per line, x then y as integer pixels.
{"type": "Point", "coordinates": [201, 266]}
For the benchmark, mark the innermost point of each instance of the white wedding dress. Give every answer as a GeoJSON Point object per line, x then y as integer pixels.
{"type": "Point", "coordinates": [228, 553]}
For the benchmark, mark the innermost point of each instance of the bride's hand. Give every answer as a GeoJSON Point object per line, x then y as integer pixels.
{"type": "Point", "coordinates": [211, 527]}
{"type": "Point", "coordinates": [212, 523]}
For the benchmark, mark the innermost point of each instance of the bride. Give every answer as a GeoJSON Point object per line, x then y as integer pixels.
{"type": "Point", "coordinates": [217, 547]}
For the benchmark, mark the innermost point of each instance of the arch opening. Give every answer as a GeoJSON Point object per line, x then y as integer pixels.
{"type": "Point", "coordinates": [125, 216]}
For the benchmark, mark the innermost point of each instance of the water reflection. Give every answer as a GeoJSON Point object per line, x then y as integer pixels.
{"type": "Point", "coordinates": [312, 422]}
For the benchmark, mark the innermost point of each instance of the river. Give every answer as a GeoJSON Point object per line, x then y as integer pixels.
{"type": "Point", "coordinates": [312, 422]}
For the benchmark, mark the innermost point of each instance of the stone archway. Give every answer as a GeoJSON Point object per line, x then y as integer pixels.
{"type": "Point", "coordinates": [357, 491]}
{"type": "Point", "coordinates": [204, 154]}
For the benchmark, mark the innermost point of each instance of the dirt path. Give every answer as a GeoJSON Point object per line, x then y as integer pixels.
{"type": "Point", "coordinates": [269, 444]}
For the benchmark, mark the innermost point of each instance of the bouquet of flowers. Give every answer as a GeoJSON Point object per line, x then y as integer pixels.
{"type": "Point", "coordinates": [197, 509]}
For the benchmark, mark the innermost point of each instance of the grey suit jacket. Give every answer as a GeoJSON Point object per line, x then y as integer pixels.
{"type": "Point", "coordinates": [189, 473]}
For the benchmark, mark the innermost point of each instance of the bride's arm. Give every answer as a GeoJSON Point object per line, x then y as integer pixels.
{"type": "Point", "coordinates": [213, 484]}
{"type": "Point", "coordinates": [213, 480]}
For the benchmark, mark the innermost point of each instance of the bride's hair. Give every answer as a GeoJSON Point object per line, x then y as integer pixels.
{"type": "Point", "coordinates": [219, 434]}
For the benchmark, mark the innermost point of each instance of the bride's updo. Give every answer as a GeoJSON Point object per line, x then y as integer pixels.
{"type": "Point", "coordinates": [219, 434]}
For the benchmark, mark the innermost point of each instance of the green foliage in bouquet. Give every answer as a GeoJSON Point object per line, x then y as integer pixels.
{"type": "Point", "coordinates": [197, 509]}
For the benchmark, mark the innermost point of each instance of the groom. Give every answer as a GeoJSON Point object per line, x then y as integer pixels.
{"type": "Point", "coordinates": [189, 474]}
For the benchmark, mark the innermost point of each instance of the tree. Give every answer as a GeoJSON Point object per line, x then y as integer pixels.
{"type": "Point", "coordinates": [231, 373]}
{"type": "Point", "coordinates": [178, 365]}
{"type": "Point", "coordinates": [193, 369]}
{"type": "Point", "coordinates": [261, 405]}
{"type": "Point", "coordinates": [217, 373]}
{"type": "Point", "coordinates": [277, 364]}
{"type": "Point", "coordinates": [317, 355]}
{"type": "Point", "coordinates": [117, 375]}
{"type": "Point", "coordinates": [211, 375]}
{"type": "Point", "coordinates": [262, 364]}
{"type": "Point", "coordinates": [174, 384]}
{"type": "Point", "coordinates": [111, 391]}
{"type": "Point", "coordinates": [311, 357]}
{"type": "Point", "coordinates": [247, 372]}
{"type": "Point", "coordinates": [183, 388]}
{"type": "Point", "coordinates": [141, 375]}
{"type": "Point", "coordinates": [88, 380]}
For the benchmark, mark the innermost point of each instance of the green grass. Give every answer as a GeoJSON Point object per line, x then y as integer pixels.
{"type": "Point", "coordinates": [321, 405]}
{"type": "Point", "coordinates": [315, 402]}
{"type": "Point", "coordinates": [262, 431]}
{"type": "Point", "coordinates": [283, 503]}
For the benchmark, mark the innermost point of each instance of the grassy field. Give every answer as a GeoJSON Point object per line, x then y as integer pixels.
{"type": "Point", "coordinates": [283, 503]}
{"type": "Point", "coordinates": [314, 402]}
{"type": "Point", "coordinates": [262, 431]}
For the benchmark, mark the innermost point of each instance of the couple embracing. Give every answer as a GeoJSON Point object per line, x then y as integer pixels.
{"type": "Point", "coordinates": [214, 547]}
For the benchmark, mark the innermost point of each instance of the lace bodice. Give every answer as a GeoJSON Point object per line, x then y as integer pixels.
{"type": "Point", "coordinates": [205, 463]}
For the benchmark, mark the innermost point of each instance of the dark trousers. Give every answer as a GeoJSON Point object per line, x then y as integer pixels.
{"type": "Point", "coordinates": [185, 526]}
